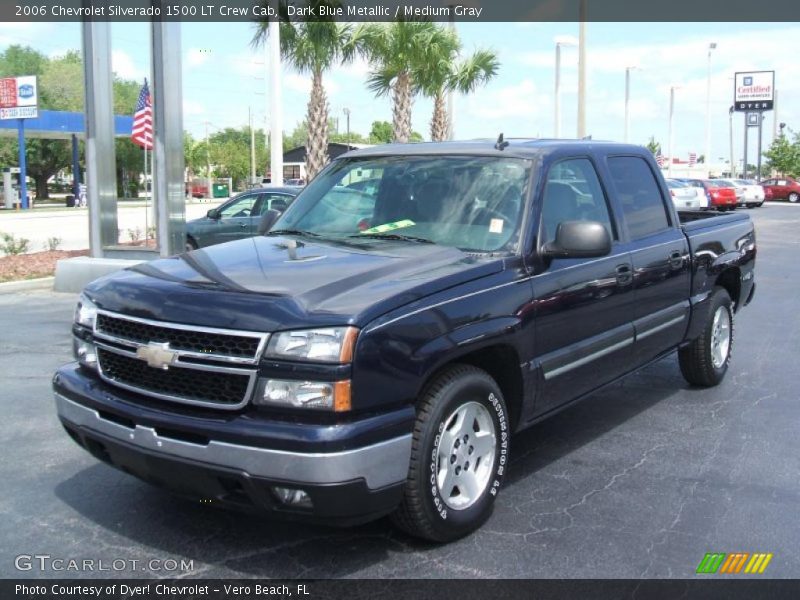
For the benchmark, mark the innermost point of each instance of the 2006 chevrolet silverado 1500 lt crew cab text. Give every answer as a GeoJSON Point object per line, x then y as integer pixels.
{"type": "Point", "coordinates": [417, 304]}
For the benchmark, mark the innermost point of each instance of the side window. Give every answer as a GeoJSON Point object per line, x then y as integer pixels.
{"type": "Point", "coordinates": [639, 196]}
{"type": "Point", "coordinates": [241, 207]}
{"type": "Point", "coordinates": [572, 192]}
{"type": "Point", "coordinates": [278, 202]}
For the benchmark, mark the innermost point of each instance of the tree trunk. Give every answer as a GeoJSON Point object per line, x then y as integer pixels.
{"type": "Point", "coordinates": [317, 144]}
{"type": "Point", "coordinates": [41, 187]}
{"type": "Point", "coordinates": [440, 119]}
{"type": "Point", "coordinates": [401, 111]}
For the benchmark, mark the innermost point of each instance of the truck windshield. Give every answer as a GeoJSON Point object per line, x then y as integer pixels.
{"type": "Point", "coordinates": [467, 202]}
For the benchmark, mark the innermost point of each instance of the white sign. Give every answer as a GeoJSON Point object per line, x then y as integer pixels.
{"type": "Point", "coordinates": [19, 97]}
{"type": "Point", "coordinates": [754, 91]}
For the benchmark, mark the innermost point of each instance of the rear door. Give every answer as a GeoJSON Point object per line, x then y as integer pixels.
{"type": "Point", "coordinates": [583, 327]}
{"type": "Point", "coordinates": [660, 255]}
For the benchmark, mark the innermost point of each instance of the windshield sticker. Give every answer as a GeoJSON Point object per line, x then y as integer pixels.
{"type": "Point", "coordinates": [496, 226]}
{"type": "Point", "coordinates": [390, 226]}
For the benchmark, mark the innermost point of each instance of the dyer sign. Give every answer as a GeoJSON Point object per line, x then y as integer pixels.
{"type": "Point", "coordinates": [754, 91]}
{"type": "Point", "coordinates": [18, 97]}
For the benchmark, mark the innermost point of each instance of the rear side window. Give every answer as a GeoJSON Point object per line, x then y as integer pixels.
{"type": "Point", "coordinates": [639, 196]}
{"type": "Point", "coordinates": [573, 193]}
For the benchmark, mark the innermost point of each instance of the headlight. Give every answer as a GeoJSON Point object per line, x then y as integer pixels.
{"type": "Point", "coordinates": [331, 344]}
{"type": "Point", "coordinates": [85, 312]}
{"type": "Point", "coordinates": [324, 395]}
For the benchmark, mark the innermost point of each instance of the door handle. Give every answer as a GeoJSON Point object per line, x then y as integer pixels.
{"type": "Point", "coordinates": [243, 225]}
{"type": "Point", "coordinates": [676, 259]}
{"type": "Point", "coordinates": [624, 274]}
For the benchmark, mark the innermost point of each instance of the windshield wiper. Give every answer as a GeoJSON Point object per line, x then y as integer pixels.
{"type": "Point", "coordinates": [394, 236]}
{"type": "Point", "coordinates": [292, 232]}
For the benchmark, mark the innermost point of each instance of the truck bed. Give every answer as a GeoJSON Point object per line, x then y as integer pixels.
{"type": "Point", "coordinates": [695, 220]}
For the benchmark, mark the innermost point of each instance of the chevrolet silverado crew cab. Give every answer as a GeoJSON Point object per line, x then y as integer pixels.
{"type": "Point", "coordinates": [376, 350]}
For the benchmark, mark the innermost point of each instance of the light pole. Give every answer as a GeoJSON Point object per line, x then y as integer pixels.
{"type": "Point", "coordinates": [346, 111]}
{"type": "Point", "coordinates": [627, 100]}
{"type": "Point", "coordinates": [670, 136]}
{"type": "Point", "coordinates": [711, 47]}
{"type": "Point", "coordinates": [582, 70]}
{"type": "Point", "coordinates": [276, 129]}
{"type": "Point", "coordinates": [557, 91]}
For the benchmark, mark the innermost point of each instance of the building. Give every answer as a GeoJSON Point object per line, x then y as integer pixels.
{"type": "Point", "coordinates": [294, 161]}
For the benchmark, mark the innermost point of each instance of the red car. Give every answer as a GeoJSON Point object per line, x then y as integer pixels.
{"type": "Point", "coordinates": [721, 196]}
{"type": "Point", "coordinates": [782, 189]}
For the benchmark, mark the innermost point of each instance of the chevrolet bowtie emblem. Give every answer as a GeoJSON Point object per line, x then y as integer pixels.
{"type": "Point", "coordinates": [157, 355]}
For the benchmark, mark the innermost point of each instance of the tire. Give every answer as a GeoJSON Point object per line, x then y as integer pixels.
{"type": "Point", "coordinates": [434, 506]}
{"type": "Point", "coordinates": [705, 361]}
{"type": "Point", "coordinates": [752, 205]}
{"type": "Point", "coordinates": [794, 197]}
{"type": "Point", "coordinates": [190, 244]}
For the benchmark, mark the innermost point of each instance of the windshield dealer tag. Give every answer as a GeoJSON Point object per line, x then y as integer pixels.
{"type": "Point", "coordinates": [496, 226]}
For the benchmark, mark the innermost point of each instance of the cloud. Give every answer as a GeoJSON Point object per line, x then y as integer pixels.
{"type": "Point", "coordinates": [518, 100]}
{"type": "Point", "coordinates": [124, 66]}
{"type": "Point", "coordinates": [193, 108]}
{"type": "Point", "coordinates": [197, 56]}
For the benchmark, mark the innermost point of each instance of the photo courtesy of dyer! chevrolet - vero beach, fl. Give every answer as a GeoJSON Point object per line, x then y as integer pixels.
{"type": "Point", "coordinates": [375, 351]}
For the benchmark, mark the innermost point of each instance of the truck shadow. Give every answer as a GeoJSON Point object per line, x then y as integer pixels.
{"type": "Point", "coordinates": [155, 524]}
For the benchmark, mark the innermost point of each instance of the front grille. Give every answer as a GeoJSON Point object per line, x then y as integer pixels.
{"type": "Point", "coordinates": [190, 340]}
{"type": "Point", "coordinates": [176, 383]}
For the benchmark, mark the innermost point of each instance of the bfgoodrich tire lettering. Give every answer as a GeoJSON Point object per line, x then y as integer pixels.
{"type": "Point", "coordinates": [705, 361]}
{"type": "Point", "coordinates": [458, 394]}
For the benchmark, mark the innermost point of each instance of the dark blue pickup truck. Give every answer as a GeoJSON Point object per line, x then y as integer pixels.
{"type": "Point", "coordinates": [416, 305]}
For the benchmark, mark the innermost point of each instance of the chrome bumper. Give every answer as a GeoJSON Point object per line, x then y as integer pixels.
{"type": "Point", "coordinates": [380, 464]}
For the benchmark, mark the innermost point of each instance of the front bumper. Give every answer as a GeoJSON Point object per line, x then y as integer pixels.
{"type": "Point", "coordinates": [345, 486]}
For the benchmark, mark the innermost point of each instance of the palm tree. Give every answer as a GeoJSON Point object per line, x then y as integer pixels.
{"type": "Point", "coordinates": [312, 46]}
{"type": "Point", "coordinates": [444, 72]}
{"type": "Point", "coordinates": [397, 53]}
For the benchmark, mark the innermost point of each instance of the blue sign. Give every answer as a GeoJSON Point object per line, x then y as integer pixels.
{"type": "Point", "coordinates": [748, 81]}
{"type": "Point", "coordinates": [25, 91]}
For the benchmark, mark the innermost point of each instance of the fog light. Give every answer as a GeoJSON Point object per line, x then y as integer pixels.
{"type": "Point", "coordinates": [85, 352]}
{"type": "Point", "coordinates": [292, 497]}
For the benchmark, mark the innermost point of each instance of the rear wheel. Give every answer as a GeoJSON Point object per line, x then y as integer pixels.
{"type": "Point", "coordinates": [705, 361]}
{"type": "Point", "coordinates": [794, 197]}
{"type": "Point", "coordinates": [458, 457]}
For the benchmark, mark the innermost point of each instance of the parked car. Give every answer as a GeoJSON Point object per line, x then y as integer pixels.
{"type": "Point", "coordinates": [749, 194]}
{"type": "Point", "coordinates": [685, 196]}
{"type": "Point", "coordinates": [238, 217]}
{"type": "Point", "coordinates": [330, 372]}
{"type": "Point", "coordinates": [721, 195]}
{"type": "Point", "coordinates": [782, 188]}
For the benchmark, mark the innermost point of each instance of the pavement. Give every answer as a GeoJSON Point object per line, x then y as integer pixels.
{"type": "Point", "coordinates": [640, 480]}
{"type": "Point", "coordinates": [71, 226]}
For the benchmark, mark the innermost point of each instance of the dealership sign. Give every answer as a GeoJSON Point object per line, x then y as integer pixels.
{"type": "Point", "coordinates": [754, 91]}
{"type": "Point", "coordinates": [18, 97]}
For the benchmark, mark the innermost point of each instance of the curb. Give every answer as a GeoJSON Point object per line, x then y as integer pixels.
{"type": "Point", "coordinates": [27, 285]}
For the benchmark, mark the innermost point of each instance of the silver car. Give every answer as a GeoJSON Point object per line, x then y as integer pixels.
{"type": "Point", "coordinates": [685, 196]}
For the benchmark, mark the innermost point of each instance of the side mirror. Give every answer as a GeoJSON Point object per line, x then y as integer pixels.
{"type": "Point", "coordinates": [267, 221]}
{"type": "Point", "coordinates": [579, 239]}
{"type": "Point", "coordinates": [213, 214]}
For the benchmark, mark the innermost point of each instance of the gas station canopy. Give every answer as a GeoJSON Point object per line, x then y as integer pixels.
{"type": "Point", "coordinates": [56, 124]}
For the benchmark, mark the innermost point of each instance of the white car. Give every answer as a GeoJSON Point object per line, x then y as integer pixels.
{"type": "Point", "coordinates": [687, 197]}
{"type": "Point", "coordinates": [748, 194]}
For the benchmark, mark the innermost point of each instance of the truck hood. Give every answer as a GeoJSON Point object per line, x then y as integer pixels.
{"type": "Point", "coordinates": [269, 283]}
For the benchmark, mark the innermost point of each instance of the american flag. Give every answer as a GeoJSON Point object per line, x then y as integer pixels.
{"type": "Point", "coordinates": [142, 133]}
{"type": "Point", "coordinates": [660, 159]}
{"type": "Point", "coordinates": [692, 159]}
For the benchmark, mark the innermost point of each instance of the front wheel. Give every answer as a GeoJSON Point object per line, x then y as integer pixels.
{"type": "Point", "coordinates": [705, 361]}
{"type": "Point", "coordinates": [794, 197]}
{"type": "Point", "coordinates": [459, 455]}
{"type": "Point", "coordinates": [190, 244]}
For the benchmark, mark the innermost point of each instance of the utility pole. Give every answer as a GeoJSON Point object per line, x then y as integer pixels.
{"type": "Point", "coordinates": [730, 141]}
{"type": "Point", "coordinates": [582, 70]}
{"type": "Point", "coordinates": [775, 117]}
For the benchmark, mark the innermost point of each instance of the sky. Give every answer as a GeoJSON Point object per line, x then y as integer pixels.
{"type": "Point", "coordinates": [224, 78]}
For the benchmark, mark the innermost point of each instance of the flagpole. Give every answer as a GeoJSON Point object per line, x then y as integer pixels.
{"type": "Point", "coordinates": [146, 203]}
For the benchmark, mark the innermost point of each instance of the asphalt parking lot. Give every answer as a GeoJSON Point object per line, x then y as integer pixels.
{"type": "Point", "coordinates": [641, 480]}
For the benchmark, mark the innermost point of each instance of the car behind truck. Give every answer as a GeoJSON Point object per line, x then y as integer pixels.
{"type": "Point", "coordinates": [417, 305]}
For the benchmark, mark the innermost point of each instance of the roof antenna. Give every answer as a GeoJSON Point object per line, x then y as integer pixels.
{"type": "Point", "coordinates": [500, 144]}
